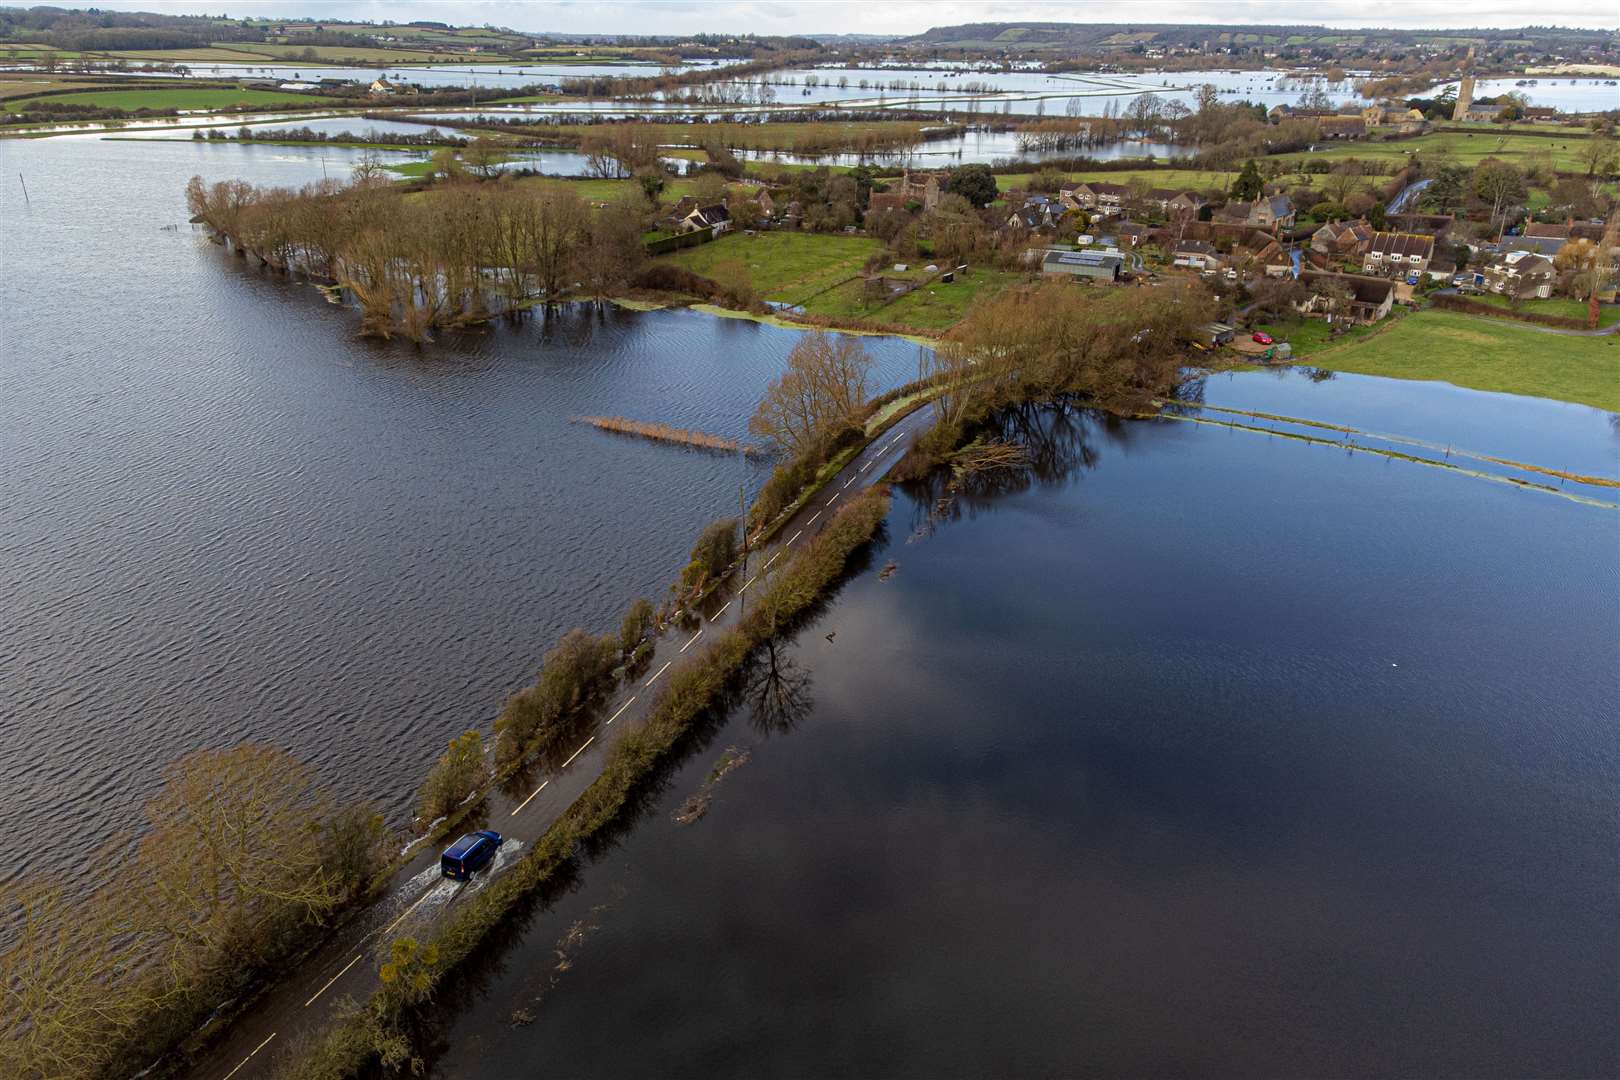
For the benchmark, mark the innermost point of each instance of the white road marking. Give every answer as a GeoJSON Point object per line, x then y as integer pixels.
{"type": "Point", "coordinates": [695, 636]}
{"type": "Point", "coordinates": [581, 750]}
{"type": "Point", "coordinates": [661, 670]}
{"type": "Point", "coordinates": [721, 612]}
{"type": "Point", "coordinates": [772, 559]}
{"type": "Point", "coordinates": [407, 911]}
{"type": "Point", "coordinates": [626, 705]}
{"type": "Point", "coordinates": [532, 794]}
{"type": "Point", "coordinates": [749, 582]}
{"type": "Point", "coordinates": [795, 537]}
{"type": "Point", "coordinates": [813, 517]}
{"type": "Point", "coordinates": [868, 465]}
{"type": "Point", "coordinates": [332, 980]}
{"type": "Point", "coordinates": [834, 498]}
{"type": "Point", "coordinates": [245, 1060]}
{"type": "Point", "coordinates": [848, 482]}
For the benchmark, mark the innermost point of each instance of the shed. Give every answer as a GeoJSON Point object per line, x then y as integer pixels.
{"type": "Point", "coordinates": [1089, 264]}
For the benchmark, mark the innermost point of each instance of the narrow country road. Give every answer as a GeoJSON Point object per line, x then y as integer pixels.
{"type": "Point", "coordinates": [302, 1001]}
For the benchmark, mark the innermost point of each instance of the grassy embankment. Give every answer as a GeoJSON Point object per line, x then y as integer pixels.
{"type": "Point", "coordinates": [691, 691]}
{"type": "Point", "coordinates": [1481, 354]}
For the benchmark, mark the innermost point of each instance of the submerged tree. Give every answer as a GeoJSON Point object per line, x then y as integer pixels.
{"type": "Point", "coordinates": [823, 389]}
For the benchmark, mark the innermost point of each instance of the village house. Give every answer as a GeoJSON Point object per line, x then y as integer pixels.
{"type": "Point", "coordinates": [1272, 212]}
{"type": "Point", "coordinates": [1342, 127]}
{"type": "Point", "coordinates": [1409, 122]}
{"type": "Point", "coordinates": [1099, 198]}
{"type": "Point", "coordinates": [1183, 203]}
{"type": "Point", "coordinates": [1352, 297]}
{"type": "Point", "coordinates": [1540, 237]}
{"type": "Point", "coordinates": [714, 217]}
{"type": "Point", "coordinates": [1398, 253]}
{"type": "Point", "coordinates": [1520, 275]}
{"type": "Point", "coordinates": [1131, 234]}
{"type": "Point", "coordinates": [382, 87]}
{"type": "Point", "coordinates": [1197, 255]}
{"type": "Point", "coordinates": [1029, 217]}
{"type": "Point", "coordinates": [1342, 239]}
{"type": "Point", "coordinates": [922, 189]}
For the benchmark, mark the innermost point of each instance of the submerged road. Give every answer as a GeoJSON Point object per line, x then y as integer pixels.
{"type": "Point", "coordinates": [302, 1002]}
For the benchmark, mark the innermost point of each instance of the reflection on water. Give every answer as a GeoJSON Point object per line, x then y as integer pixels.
{"type": "Point", "coordinates": [1176, 769]}
{"type": "Point", "coordinates": [224, 517]}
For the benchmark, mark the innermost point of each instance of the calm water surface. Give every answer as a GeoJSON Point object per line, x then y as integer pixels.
{"type": "Point", "coordinates": [223, 517]}
{"type": "Point", "coordinates": [1199, 753]}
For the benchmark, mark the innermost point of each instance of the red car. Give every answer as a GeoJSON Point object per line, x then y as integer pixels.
{"type": "Point", "coordinates": [1262, 339]}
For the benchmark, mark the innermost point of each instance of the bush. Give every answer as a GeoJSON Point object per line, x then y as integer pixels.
{"type": "Point", "coordinates": [352, 842]}
{"type": "Point", "coordinates": [715, 550]}
{"type": "Point", "coordinates": [570, 674]}
{"type": "Point", "coordinates": [1452, 302]}
{"type": "Point", "coordinates": [459, 772]}
{"type": "Point", "coordinates": [637, 622]}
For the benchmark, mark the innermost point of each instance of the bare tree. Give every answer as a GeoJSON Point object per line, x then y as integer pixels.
{"type": "Point", "coordinates": [823, 389]}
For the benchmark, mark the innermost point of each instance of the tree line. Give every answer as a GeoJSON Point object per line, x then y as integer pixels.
{"type": "Point", "coordinates": [458, 253]}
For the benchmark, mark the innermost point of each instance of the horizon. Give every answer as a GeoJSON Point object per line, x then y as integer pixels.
{"type": "Point", "coordinates": [901, 18]}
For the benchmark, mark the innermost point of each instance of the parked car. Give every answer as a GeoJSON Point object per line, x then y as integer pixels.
{"type": "Point", "coordinates": [1261, 338]}
{"type": "Point", "coordinates": [464, 858]}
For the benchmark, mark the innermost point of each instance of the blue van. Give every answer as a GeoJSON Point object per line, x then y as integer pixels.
{"type": "Point", "coordinates": [464, 858]}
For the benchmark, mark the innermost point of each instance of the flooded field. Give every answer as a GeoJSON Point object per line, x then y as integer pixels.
{"type": "Point", "coordinates": [1185, 752]}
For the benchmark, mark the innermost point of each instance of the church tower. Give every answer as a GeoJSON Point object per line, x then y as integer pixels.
{"type": "Point", "coordinates": [1465, 99]}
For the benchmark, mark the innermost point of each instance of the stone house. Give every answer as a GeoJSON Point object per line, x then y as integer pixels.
{"type": "Point", "coordinates": [1271, 212]}
{"type": "Point", "coordinates": [1342, 127]}
{"type": "Point", "coordinates": [1343, 239]}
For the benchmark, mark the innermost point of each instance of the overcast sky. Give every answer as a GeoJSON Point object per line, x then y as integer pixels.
{"type": "Point", "coordinates": [892, 16]}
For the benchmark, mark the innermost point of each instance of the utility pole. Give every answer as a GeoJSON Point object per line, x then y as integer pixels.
{"type": "Point", "coordinates": [742, 505]}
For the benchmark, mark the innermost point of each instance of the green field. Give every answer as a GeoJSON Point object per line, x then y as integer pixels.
{"type": "Point", "coordinates": [1487, 355]}
{"type": "Point", "coordinates": [166, 98]}
{"type": "Point", "coordinates": [1464, 148]}
{"type": "Point", "coordinates": [1608, 314]}
{"type": "Point", "coordinates": [784, 266]}
{"type": "Point", "coordinates": [931, 307]}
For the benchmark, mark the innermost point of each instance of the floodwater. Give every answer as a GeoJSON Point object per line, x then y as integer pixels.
{"type": "Point", "coordinates": [1189, 752]}
{"type": "Point", "coordinates": [223, 517]}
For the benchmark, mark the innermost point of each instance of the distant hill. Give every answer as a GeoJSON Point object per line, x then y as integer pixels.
{"type": "Point", "coordinates": [1043, 37]}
